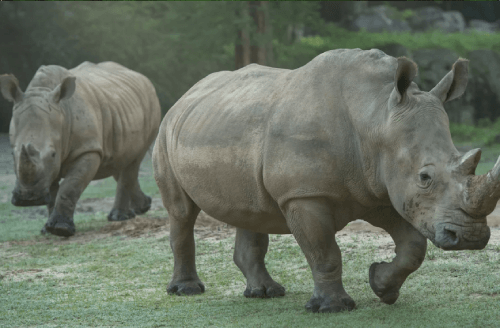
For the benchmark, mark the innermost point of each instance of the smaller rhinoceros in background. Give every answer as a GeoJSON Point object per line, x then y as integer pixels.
{"type": "Point", "coordinates": [347, 136]}
{"type": "Point", "coordinates": [82, 124]}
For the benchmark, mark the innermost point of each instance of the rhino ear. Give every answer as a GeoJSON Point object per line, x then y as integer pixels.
{"type": "Point", "coordinates": [64, 90]}
{"type": "Point", "coordinates": [454, 83]}
{"type": "Point", "coordinates": [9, 87]}
{"type": "Point", "coordinates": [405, 73]}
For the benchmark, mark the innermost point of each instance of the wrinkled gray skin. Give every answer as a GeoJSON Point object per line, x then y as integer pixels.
{"type": "Point", "coordinates": [83, 124]}
{"type": "Point", "coordinates": [347, 136]}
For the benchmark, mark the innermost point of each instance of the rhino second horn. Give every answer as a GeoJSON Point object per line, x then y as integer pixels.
{"type": "Point", "coordinates": [483, 192]}
{"type": "Point", "coordinates": [32, 151]}
{"type": "Point", "coordinates": [495, 171]}
{"type": "Point", "coordinates": [469, 161]}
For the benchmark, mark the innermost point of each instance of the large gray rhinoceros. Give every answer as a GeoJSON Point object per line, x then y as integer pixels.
{"type": "Point", "coordinates": [98, 126]}
{"type": "Point", "coordinates": [347, 136]}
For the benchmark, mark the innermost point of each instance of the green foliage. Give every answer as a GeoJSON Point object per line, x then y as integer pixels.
{"type": "Point", "coordinates": [394, 13]}
{"type": "Point", "coordinates": [485, 136]}
{"type": "Point", "coordinates": [407, 13]}
{"type": "Point", "coordinates": [175, 44]}
{"type": "Point", "coordinates": [485, 133]}
{"type": "Point", "coordinates": [333, 37]}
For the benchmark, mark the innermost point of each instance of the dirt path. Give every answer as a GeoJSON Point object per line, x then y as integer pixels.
{"type": "Point", "coordinates": [205, 228]}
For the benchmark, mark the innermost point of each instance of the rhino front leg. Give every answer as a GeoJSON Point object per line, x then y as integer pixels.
{"type": "Point", "coordinates": [54, 189]}
{"type": "Point", "coordinates": [249, 253]}
{"type": "Point", "coordinates": [387, 278]}
{"type": "Point", "coordinates": [76, 179]}
{"type": "Point", "coordinates": [312, 223]}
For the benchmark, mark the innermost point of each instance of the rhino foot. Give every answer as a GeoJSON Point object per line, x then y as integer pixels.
{"type": "Point", "coordinates": [388, 293]}
{"type": "Point", "coordinates": [186, 288]}
{"type": "Point", "coordinates": [274, 290]}
{"type": "Point", "coordinates": [329, 305]}
{"type": "Point", "coordinates": [120, 215]}
{"type": "Point", "coordinates": [59, 225]}
{"type": "Point", "coordinates": [144, 207]}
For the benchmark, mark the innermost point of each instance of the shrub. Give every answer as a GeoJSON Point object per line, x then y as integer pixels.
{"type": "Point", "coordinates": [333, 37]}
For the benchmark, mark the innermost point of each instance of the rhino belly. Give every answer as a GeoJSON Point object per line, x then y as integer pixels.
{"type": "Point", "coordinates": [226, 183]}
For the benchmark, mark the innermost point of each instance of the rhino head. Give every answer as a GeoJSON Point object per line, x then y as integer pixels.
{"type": "Point", "coordinates": [36, 137]}
{"type": "Point", "coordinates": [430, 183]}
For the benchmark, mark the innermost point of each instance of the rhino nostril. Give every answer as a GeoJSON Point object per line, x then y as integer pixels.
{"type": "Point", "coordinates": [451, 236]}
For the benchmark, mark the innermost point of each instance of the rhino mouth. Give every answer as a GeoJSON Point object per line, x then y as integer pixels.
{"type": "Point", "coordinates": [460, 236]}
{"type": "Point", "coordinates": [19, 200]}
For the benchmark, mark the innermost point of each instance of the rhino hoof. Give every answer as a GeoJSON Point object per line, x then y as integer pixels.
{"type": "Point", "coordinates": [146, 205]}
{"type": "Point", "coordinates": [329, 305]}
{"type": "Point", "coordinates": [120, 215]}
{"type": "Point", "coordinates": [265, 292]}
{"type": "Point", "coordinates": [59, 225]}
{"type": "Point", "coordinates": [387, 294]}
{"type": "Point", "coordinates": [63, 229]}
{"type": "Point", "coordinates": [186, 288]}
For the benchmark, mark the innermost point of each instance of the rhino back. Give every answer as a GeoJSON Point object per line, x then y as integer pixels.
{"type": "Point", "coordinates": [116, 110]}
{"type": "Point", "coordinates": [245, 142]}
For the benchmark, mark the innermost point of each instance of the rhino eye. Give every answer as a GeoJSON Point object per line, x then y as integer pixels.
{"type": "Point", "coordinates": [53, 154]}
{"type": "Point", "coordinates": [425, 180]}
{"type": "Point", "coordinates": [424, 177]}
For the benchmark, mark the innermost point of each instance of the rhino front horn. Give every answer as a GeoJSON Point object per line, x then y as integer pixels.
{"type": "Point", "coordinates": [27, 167]}
{"type": "Point", "coordinates": [482, 192]}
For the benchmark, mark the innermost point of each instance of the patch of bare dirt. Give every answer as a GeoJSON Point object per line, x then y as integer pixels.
{"type": "Point", "coordinates": [476, 295]}
{"type": "Point", "coordinates": [135, 227]}
{"type": "Point", "coordinates": [21, 275]}
{"type": "Point", "coordinates": [205, 227]}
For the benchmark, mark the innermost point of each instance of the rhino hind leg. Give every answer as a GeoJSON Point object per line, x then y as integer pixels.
{"type": "Point", "coordinates": [141, 203]}
{"type": "Point", "coordinates": [387, 278]}
{"type": "Point", "coordinates": [311, 222]}
{"type": "Point", "coordinates": [126, 188]}
{"type": "Point", "coordinates": [249, 252]}
{"type": "Point", "coordinates": [182, 216]}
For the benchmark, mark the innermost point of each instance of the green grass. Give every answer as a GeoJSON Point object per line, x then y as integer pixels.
{"type": "Point", "coordinates": [107, 187]}
{"type": "Point", "coordinates": [121, 282]}
{"type": "Point", "coordinates": [47, 281]}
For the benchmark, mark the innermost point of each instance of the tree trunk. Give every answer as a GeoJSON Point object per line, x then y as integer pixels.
{"type": "Point", "coordinates": [242, 46]}
{"type": "Point", "coordinates": [254, 44]}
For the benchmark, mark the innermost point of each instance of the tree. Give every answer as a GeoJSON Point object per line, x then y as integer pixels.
{"type": "Point", "coordinates": [174, 44]}
{"type": "Point", "coordinates": [254, 40]}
